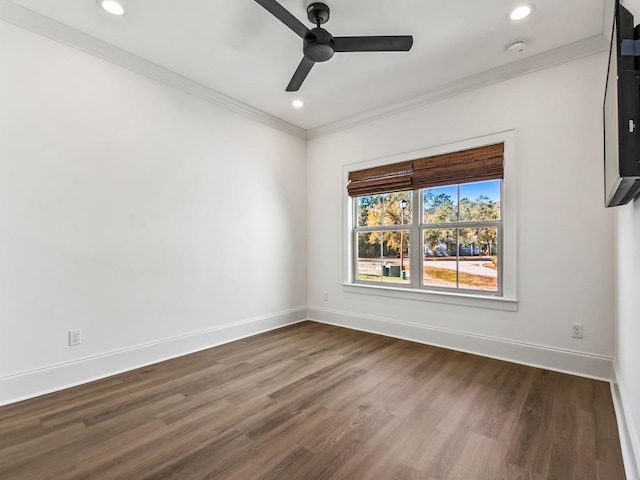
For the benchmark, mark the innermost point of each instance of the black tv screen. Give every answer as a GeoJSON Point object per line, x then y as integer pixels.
{"type": "Point", "coordinates": [622, 113]}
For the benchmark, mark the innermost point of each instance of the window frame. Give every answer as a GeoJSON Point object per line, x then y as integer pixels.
{"type": "Point", "coordinates": [504, 299]}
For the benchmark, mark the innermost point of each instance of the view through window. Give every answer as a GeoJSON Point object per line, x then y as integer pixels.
{"type": "Point", "coordinates": [459, 237]}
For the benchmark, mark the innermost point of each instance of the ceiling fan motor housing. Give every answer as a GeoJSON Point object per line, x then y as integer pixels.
{"type": "Point", "coordinates": [318, 45]}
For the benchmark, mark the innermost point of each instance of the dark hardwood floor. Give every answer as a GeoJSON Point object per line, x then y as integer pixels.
{"type": "Point", "coordinates": [313, 401]}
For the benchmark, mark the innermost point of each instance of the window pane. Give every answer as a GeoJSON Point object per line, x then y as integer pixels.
{"type": "Point", "coordinates": [440, 262]}
{"type": "Point", "coordinates": [478, 258]}
{"type": "Point", "coordinates": [369, 267]}
{"type": "Point", "coordinates": [398, 208]}
{"type": "Point", "coordinates": [369, 210]}
{"type": "Point", "coordinates": [396, 260]}
{"type": "Point", "coordinates": [480, 201]}
{"type": "Point", "coordinates": [441, 204]}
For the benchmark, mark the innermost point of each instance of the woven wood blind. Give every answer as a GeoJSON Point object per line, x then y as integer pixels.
{"type": "Point", "coordinates": [385, 179]}
{"type": "Point", "coordinates": [473, 165]}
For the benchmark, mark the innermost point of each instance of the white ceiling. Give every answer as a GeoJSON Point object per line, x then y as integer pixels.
{"type": "Point", "coordinates": [237, 48]}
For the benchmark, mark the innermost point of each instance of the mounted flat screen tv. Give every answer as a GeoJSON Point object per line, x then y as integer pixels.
{"type": "Point", "coordinates": [622, 113]}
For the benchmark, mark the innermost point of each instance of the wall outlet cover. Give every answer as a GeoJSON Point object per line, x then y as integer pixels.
{"type": "Point", "coordinates": [576, 330]}
{"type": "Point", "coordinates": [75, 337]}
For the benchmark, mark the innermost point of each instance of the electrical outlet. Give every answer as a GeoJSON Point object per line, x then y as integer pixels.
{"type": "Point", "coordinates": [75, 337]}
{"type": "Point", "coordinates": [576, 330]}
{"type": "Point", "coordinates": [325, 296]}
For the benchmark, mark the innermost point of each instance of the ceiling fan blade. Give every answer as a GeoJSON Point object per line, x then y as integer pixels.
{"type": "Point", "coordinates": [282, 14]}
{"type": "Point", "coordinates": [398, 43]}
{"type": "Point", "coordinates": [301, 73]}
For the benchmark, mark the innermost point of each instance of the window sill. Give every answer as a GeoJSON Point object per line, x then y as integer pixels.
{"type": "Point", "coordinates": [464, 299]}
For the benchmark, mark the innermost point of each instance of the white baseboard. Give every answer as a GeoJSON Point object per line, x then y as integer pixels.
{"type": "Point", "coordinates": [22, 386]}
{"type": "Point", "coordinates": [49, 379]}
{"type": "Point", "coordinates": [629, 440]}
{"type": "Point", "coordinates": [550, 358]}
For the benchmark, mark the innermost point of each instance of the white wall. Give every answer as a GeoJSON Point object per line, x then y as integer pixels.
{"type": "Point", "coordinates": [564, 235]}
{"type": "Point", "coordinates": [118, 216]}
{"type": "Point", "coordinates": [627, 353]}
{"type": "Point", "coordinates": [134, 211]}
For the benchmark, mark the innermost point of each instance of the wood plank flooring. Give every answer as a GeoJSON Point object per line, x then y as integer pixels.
{"type": "Point", "coordinates": [313, 402]}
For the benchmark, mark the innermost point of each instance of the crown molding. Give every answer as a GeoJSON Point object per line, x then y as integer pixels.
{"type": "Point", "coordinates": [39, 24]}
{"type": "Point", "coordinates": [567, 53]}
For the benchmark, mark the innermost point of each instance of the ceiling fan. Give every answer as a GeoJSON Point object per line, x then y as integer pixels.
{"type": "Point", "coordinates": [319, 45]}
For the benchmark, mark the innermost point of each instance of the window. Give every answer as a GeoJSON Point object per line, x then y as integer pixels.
{"type": "Point", "coordinates": [434, 224]}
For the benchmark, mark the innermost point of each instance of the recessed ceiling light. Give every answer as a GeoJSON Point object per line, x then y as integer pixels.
{"type": "Point", "coordinates": [521, 12]}
{"type": "Point", "coordinates": [297, 104]}
{"type": "Point", "coordinates": [112, 6]}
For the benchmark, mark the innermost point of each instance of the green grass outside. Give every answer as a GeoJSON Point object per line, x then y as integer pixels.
{"type": "Point", "coordinates": [466, 279]}
{"type": "Point", "coordinates": [376, 278]}
{"type": "Point", "coordinates": [442, 276]}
